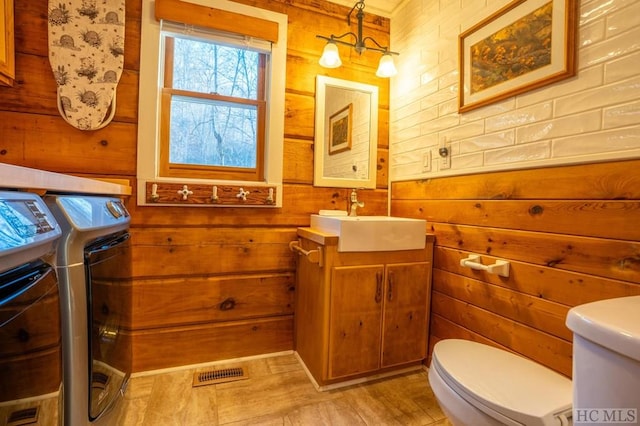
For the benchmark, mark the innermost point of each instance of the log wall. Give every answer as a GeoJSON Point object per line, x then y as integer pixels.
{"type": "Point", "coordinates": [218, 283]}
{"type": "Point", "coordinates": [206, 283]}
{"type": "Point", "coordinates": [570, 234]}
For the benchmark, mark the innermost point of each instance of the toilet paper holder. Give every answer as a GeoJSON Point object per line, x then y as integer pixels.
{"type": "Point", "coordinates": [501, 267]}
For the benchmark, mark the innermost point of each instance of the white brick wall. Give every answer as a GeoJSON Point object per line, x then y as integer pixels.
{"type": "Point", "coordinates": [594, 116]}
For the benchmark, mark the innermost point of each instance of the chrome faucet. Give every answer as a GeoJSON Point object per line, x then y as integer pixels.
{"type": "Point", "coordinates": [355, 203]}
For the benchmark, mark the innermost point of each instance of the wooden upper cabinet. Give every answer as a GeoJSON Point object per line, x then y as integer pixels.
{"type": "Point", "coordinates": [7, 50]}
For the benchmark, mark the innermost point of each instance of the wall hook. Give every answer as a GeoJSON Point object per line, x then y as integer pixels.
{"type": "Point", "coordinates": [242, 194]}
{"type": "Point", "coordinates": [154, 192]}
{"type": "Point", "coordinates": [185, 192]}
{"type": "Point", "coordinates": [269, 199]}
{"type": "Point", "coordinates": [214, 194]}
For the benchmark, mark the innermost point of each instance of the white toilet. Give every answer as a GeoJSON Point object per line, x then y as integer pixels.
{"type": "Point", "coordinates": [606, 361]}
{"type": "Point", "coordinates": [477, 385]}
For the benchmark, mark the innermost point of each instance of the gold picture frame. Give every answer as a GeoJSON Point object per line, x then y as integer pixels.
{"type": "Point", "coordinates": [340, 125]}
{"type": "Point", "coordinates": [523, 46]}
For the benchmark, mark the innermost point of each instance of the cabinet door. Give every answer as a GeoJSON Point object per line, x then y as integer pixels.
{"type": "Point", "coordinates": [355, 320]}
{"type": "Point", "coordinates": [7, 61]}
{"type": "Point", "coordinates": [405, 327]}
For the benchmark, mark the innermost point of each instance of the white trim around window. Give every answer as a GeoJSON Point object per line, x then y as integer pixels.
{"type": "Point", "coordinates": [149, 102]}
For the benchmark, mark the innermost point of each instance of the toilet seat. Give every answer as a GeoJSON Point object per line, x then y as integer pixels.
{"type": "Point", "coordinates": [505, 386]}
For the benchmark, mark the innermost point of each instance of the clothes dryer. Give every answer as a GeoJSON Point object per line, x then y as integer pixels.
{"type": "Point", "coordinates": [93, 267]}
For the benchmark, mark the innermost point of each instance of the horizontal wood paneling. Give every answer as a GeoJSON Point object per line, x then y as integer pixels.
{"type": "Point", "coordinates": [216, 19]}
{"type": "Point", "coordinates": [568, 233]}
{"type": "Point", "coordinates": [441, 328]}
{"type": "Point", "coordinates": [231, 250]}
{"type": "Point", "coordinates": [530, 342]}
{"type": "Point", "coordinates": [299, 115]}
{"type": "Point", "coordinates": [564, 287]}
{"type": "Point", "coordinates": [594, 256]}
{"type": "Point", "coordinates": [600, 181]}
{"type": "Point", "coordinates": [299, 202]}
{"type": "Point", "coordinates": [49, 143]}
{"type": "Point", "coordinates": [35, 90]}
{"type": "Point", "coordinates": [303, 67]}
{"type": "Point", "coordinates": [605, 219]}
{"type": "Point", "coordinates": [228, 298]}
{"type": "Point", "coordinates": [169, 347]}
{"type": "Point", "coordinates": [298, 161]}
{"type": "Point", "coordinates": [382, 169]}
{"type": "Point", "coordinates": [174, 252]}
{"type": "Point", "coordinates": [206, 252]}
{"type": "Point", "coordinates": [330, 18]}
{"type": "Point", "coordinates": [31, 30]}
{"type": "Point", "coordinates": [529, 310]}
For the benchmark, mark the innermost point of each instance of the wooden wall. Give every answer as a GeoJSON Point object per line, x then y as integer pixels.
{"type": "Point", "coordinates": [207, 283]}
{"type": "Point", "coordinates": [571, 234]}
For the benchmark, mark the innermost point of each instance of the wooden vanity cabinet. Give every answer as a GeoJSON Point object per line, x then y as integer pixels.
{"type": "Point", "coordinates": [7, 53]}
{"type": "Point", "coordinates": [362, 313]}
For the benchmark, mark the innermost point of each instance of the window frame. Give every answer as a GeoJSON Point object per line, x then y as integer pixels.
{"type": "Point", "coordinates": [179, 170]}
{"type": "Point", "coordinates": [150, 131]}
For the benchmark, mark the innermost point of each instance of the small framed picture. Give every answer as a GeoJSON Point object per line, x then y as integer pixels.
{"type": "Point", "coordinates": [523, 46]}
{"type": "Point", "coordinates": [340, 130]}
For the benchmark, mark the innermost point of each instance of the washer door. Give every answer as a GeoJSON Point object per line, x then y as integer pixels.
{"type": "Point", "coordinates": [109, 304]}
{"type": "Point", "coordinates": [30, 343]}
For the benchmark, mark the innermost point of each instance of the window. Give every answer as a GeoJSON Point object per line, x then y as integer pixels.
{"type": "Point", "coordinates": [213, 104]}
{"type": "Point", "coordinates": [211, 107]}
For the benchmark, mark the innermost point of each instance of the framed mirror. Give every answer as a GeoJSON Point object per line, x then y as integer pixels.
{"type": "Point", "coordinates": [346, 134]}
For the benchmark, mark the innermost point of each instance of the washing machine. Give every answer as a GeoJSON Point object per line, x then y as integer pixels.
{"type": "Point", "coordinates": [94, 272]}
{"type": "Point", "coordinates": [30, 332]}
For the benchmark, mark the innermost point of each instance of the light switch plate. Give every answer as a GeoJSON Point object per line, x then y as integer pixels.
{"type": "Point", "coordinates": [426, 161]}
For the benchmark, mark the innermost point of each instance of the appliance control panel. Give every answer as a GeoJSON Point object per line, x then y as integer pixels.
{"type": "Point", "coordinates": [117, 209]}
{"type": "Point", "coordinates": [24, 218]}
{"type": "Point", "coordinates": [27, 228]}
{"type": "Point", "coordinates": [88, 212]}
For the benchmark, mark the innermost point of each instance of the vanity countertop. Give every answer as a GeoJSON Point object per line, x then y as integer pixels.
{"type": "Point", "coordinates": [17, 177]}
{"type": "Point", "coordinates": [329, 239]}
{"type": "Point", "coordinates": [318, 236]}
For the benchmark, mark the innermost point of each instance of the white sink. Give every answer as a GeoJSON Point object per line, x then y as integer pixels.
{"type": "Point", "coordinates": [373, 233]}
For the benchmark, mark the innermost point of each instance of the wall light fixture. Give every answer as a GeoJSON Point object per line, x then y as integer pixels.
{"type": "Point", "coordinates": [331, 58]}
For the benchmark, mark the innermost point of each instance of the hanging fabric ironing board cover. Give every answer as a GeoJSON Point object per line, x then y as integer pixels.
{"type": "Point", "coordinates": [86, 53]}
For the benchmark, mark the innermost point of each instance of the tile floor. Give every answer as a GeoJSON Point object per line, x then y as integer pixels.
{"type": "Point", "coordinates": [277, 392]}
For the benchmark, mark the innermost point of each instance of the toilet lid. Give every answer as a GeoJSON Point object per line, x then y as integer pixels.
{"type": "Point", "coordinates": [494, 380]}
{"type": "Point", "coordinates": [611, 323]}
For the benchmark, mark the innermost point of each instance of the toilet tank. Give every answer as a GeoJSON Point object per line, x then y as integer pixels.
{"type": "Point", "coordinates": [606, 361]}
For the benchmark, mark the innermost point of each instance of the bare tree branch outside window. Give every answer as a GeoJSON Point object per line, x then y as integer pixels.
{"type": "Point", "coordinates": [214, 115]}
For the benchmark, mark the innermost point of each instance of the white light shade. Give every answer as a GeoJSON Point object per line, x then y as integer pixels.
{"type": "Point", "coordinates": [330, 57]}
{"type": "Point", "coordinates": [386, 67]}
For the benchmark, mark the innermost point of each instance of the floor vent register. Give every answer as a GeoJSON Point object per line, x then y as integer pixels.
{"type": "Point", "coordinates": [212, 377]}
{"type": "Point", "coordinates": [23, 417]}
